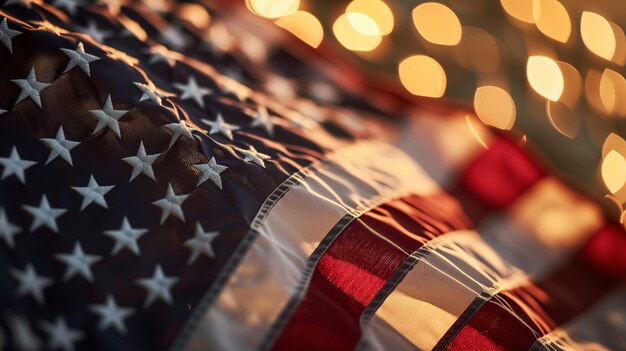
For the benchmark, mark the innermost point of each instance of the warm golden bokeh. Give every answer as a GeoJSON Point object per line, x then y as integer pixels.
{"type": "Point", "coordinates": [565, 50]}
{"type": "Point", "coordinates": [422, 75]}
{"type": "Point", "coordinates": [363, 23]}
{"type": "Point", "coordinates": [614, 171]}
{"type": "Point", "coordinates": [195, 14]}
{"type": "Point", "coordinates": [545, 77]}
{"type": "Point", "coordinates": [519, 9]}
{"type": "Point", "coordinates": [482, 49]}
{"type": "Point", "coordinates": [303, 25]}
{"type": "Point", "coordinates": [572, 84]}
{"type": "Point", "coordinates": [620, 45]}
{"type": "Point", "coordinates": [597, 35]}
{"type": "Point", "coordinates": [563, 118]}
{"type": "Point", "coordinates": [437, 23]}
{"type": "Point", "coordinates": [377, 10]}
{"type": "Point", "coordinates": [495, 107]}
{"type": "Point", "coordinates": [612, 91]}
{"type": "Point", "coordinates": [478, 130]}
{"type": "Point", "coordinates": [592, 90]}
{"type": "Point", "coordinates": [273, 8]}
{"type": "Point", "coordinates": [351, 38]}
{"type": "Point", "coordinates": [552, 19]}
{"type": "Point", "coordinates": [613, 142]}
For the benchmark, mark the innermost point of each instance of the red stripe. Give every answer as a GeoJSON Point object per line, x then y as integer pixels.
{"type": "Point", "coordinates": [357, 265]}
{"type": "Point", "coordinates": [510, 333]}
{"type": "Point", "coordinates": [496, 178]}
{"type": "Point", "coordinates": [598, 268]}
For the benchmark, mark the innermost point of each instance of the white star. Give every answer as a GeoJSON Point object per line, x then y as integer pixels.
{"type": "Point", "coordinates": [60, 336]}
{"type": "Point", "coordinates": [79, 58]}
{"type": "Point", "coordinates": [149, 92]}
{"type": "Point", "coordinates": [252, 155]}
{"type": "Point", "coordinates": [219, 126]}
{"type": "Point", "coordinates": [14, 165]}
{"type": "Point", "coordinates": [111, 315]}
{"type": "Point", "coordinates": [31, 87]}
{"type": "Point", "coordinates": [69, 5]}
{"type": "Point", "coordinates": [126, 237]}
{"type": "Point", "coordinates": [8, 230]}
{"type": "Point", "coordinates": [30, 283]}
{"type": "Point", "coordinates": [78, 263]}
{"type": "Point", "coordinates": [2, 111]}
{"type": "Point", "coordinates": [192, 90]}
{"type": "Point", "coordinates": [201, 244]}
{"type": "Point", "coordinates": [171, 204]}
{"type": "Point", "coordinates": [59, 146]}
{"type": "Point", "coordinates": [108, 117]}
{"type": "Point", "coordinates": [174, 38]}
{"type": "Point", "coordinates": [93, 192]}
{"type": "Point", "coordinates": [142, 163]}
{"type": "Point", "coordinates": [24, 338]}
{"type": "Point", "coordinates": [93, 31]}
{"type": "Point", "coordinates": [44, 215]}
{"type": "Point", "coordinates": [6, 34]}
{"type": "Point", "coordinates": [158, 286]}
{"type": "Point", "coordinates": [262, 119]}
{"type": "Point", "coordinates": [160, 53]}
{"type": "Point", "coordinates": [179, 129]}
{"type": "Point", "coordinates": [211, 171]}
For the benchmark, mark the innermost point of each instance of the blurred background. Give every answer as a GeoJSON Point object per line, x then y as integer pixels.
{"type": "Point", "coordinates": [551, 70]}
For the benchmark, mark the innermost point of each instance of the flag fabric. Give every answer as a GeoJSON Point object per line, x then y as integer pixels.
{"type": "Point", "coordinates": [174, 185]}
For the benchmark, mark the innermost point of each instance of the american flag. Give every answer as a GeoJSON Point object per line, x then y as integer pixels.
{"type": "Point", "coordinates": [170, 186]}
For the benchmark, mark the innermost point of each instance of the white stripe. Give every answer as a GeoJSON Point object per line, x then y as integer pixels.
{"type": "Point", "coordinates": [525, 234]}
{"type": "Point", "coordinates": [603, 327]}
{"type": "Point", "coordinates": [350, 182]}
{"type": "Point", "coordinates": [454, 269]}
{"type": "Point", "coordinates": [442, 145]}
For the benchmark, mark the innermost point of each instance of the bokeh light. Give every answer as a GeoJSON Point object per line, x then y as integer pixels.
{"type": "Point", "coordinates": [377, 10]}
{"type": "Point", "coordinates": [363, 23]}
{"type": "Point", "coordinates": [195, 14]}
{"type": "Point", "coordinates": [564, 119]}
{"type": "Point", "coordinates": [495, 107]}
{"type": "Point", "coordinates": [545, 77]}
{"type": "Point", "coordinates": [422, 75]}
{"type": "Point", "coordinates": [597, 35]}
{"type": "Point", "coordinates": [552, 19]}
{"type": "Point", "coordinates": [572, 84]}
{"type": "Point", "coordinates": [525, 64]}
{"type": "Point", "coordinates": [303, 25]}
{"type": "Point", "coordinates": [437, 23]}
{"type": "Point", "coordinates": [273, 8]}
{"type": "Point", "coordinates": [353, 39]}
{"type": "Point", "coordinates": [614, 171]}
{"type": "Point", "coordinates": [612, 90]}
{"type": "Point", "coordinates": [519, 9]}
